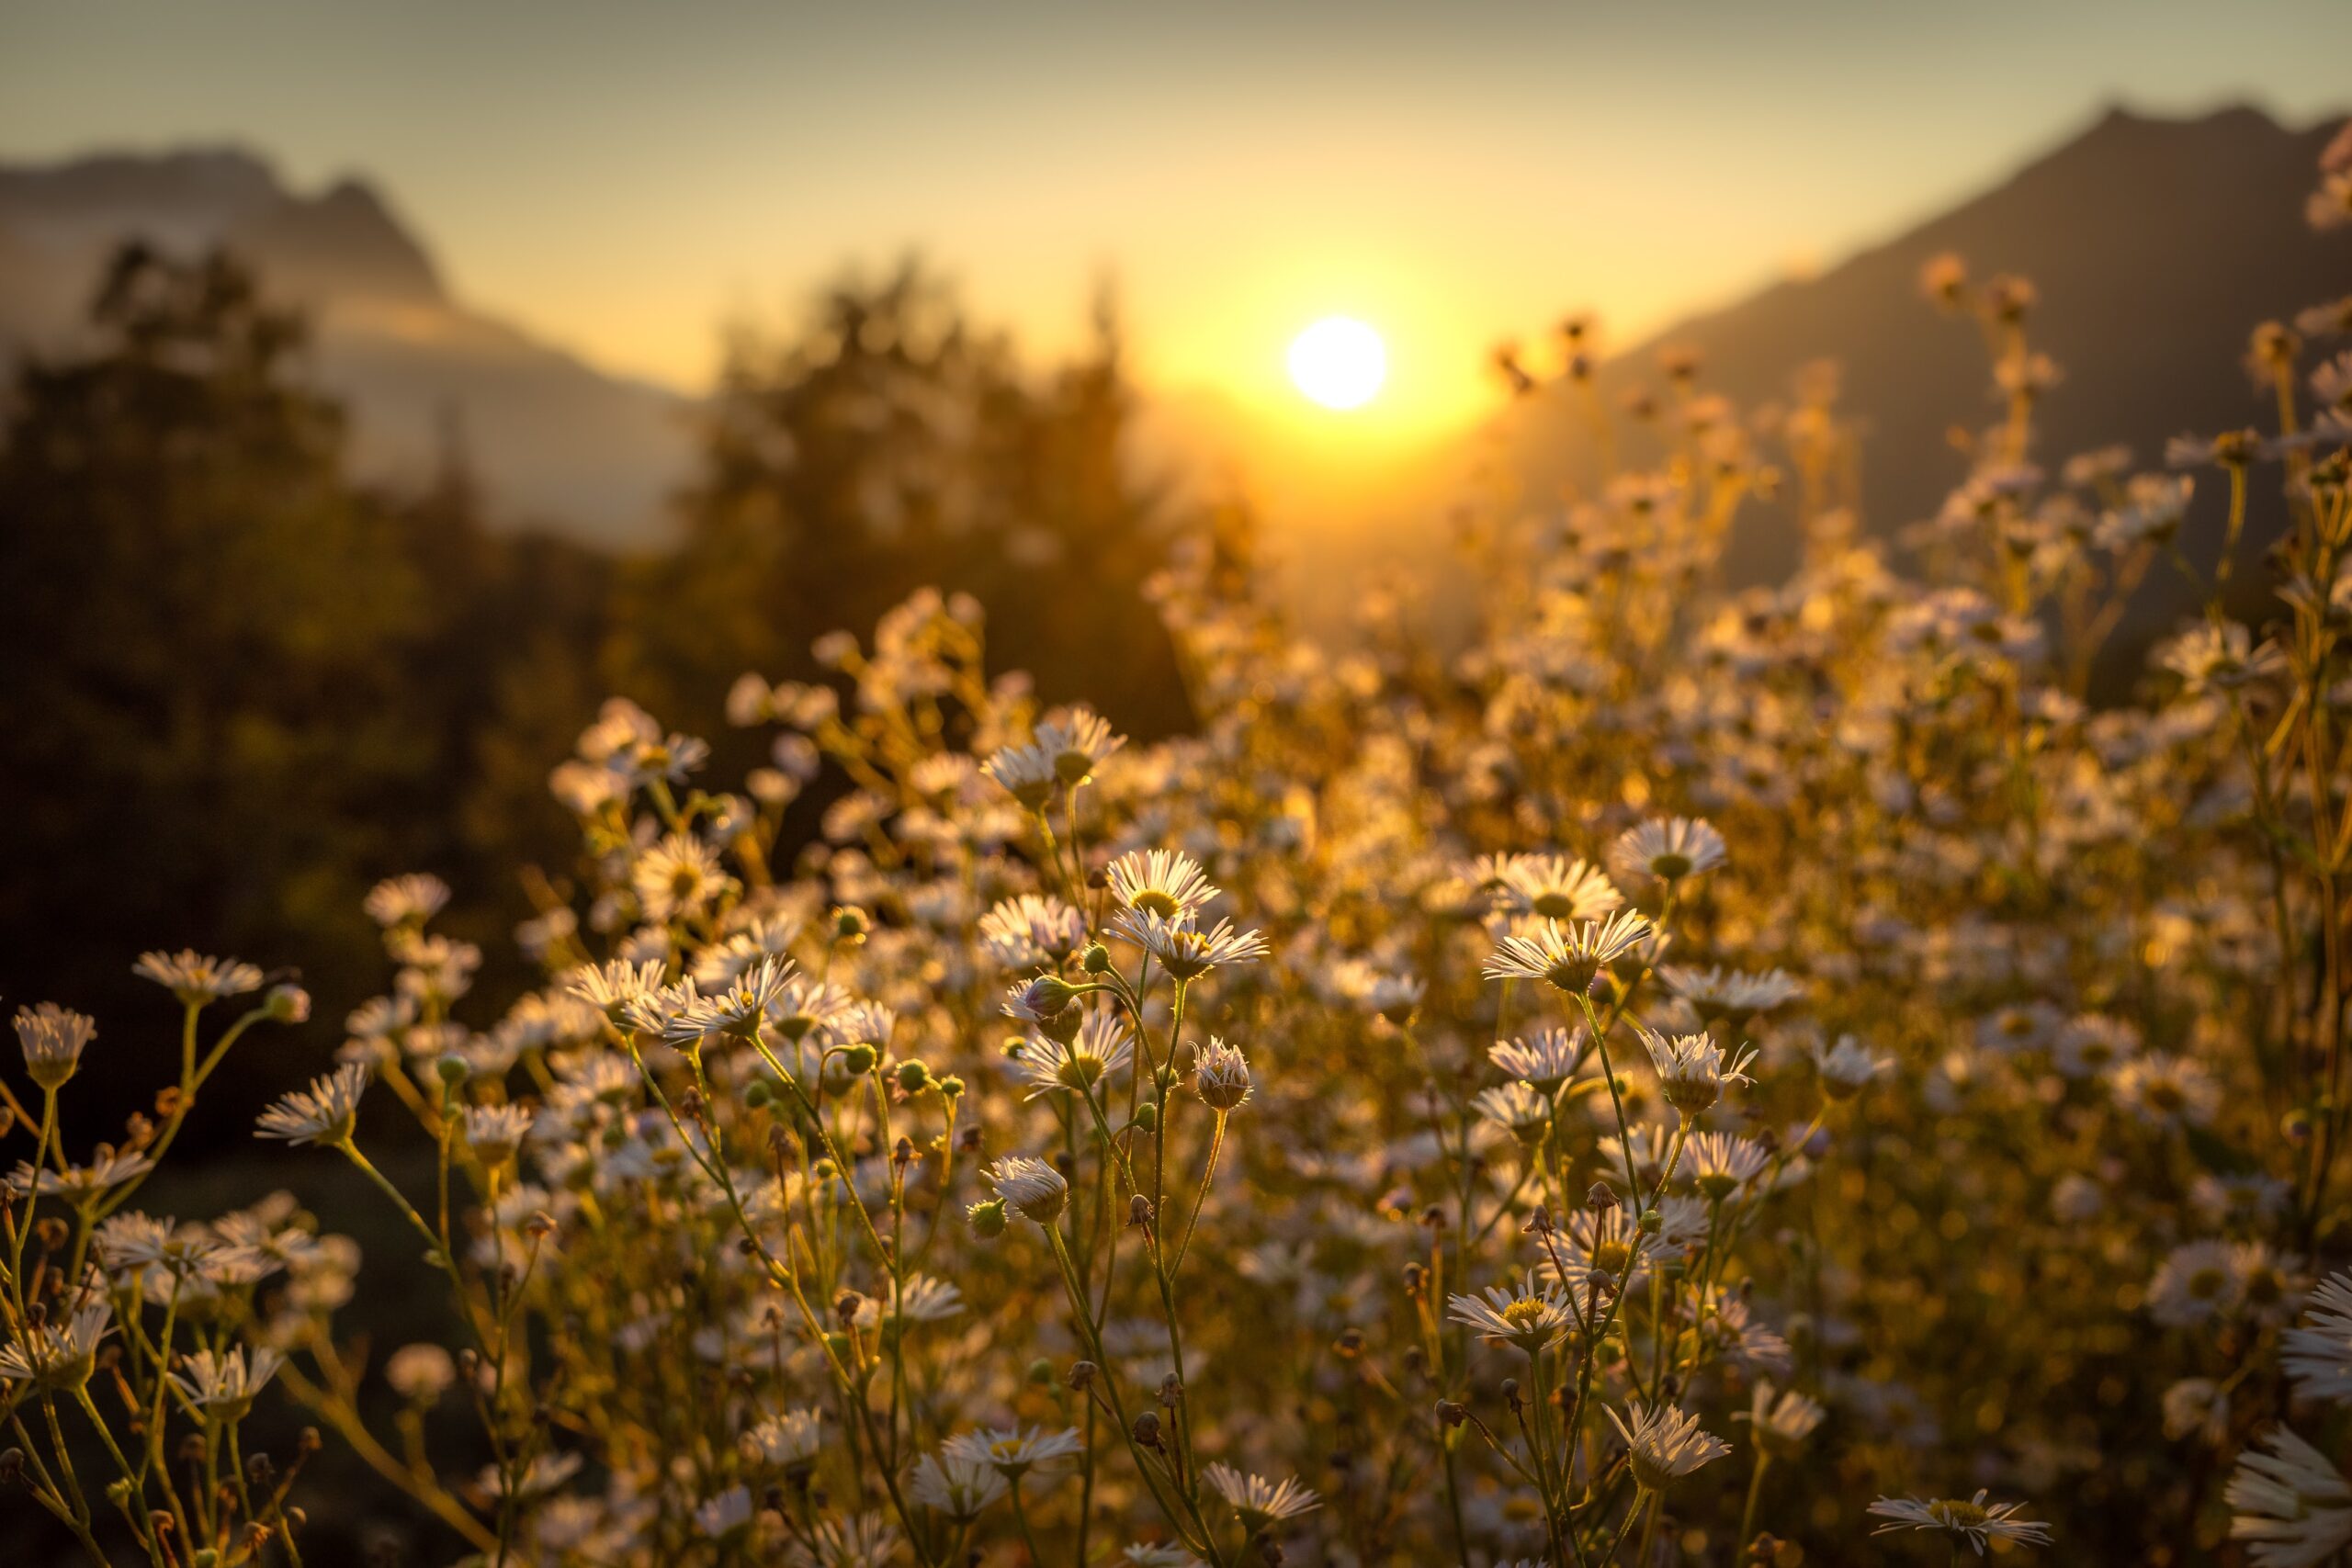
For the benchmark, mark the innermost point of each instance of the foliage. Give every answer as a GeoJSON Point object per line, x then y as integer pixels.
{"type": "Point", "coordinates": [887, 443]}
{"type": "Point", "coordinates": [1693, 1063]}
{"type": "Point", "coordinates": [244, 687]}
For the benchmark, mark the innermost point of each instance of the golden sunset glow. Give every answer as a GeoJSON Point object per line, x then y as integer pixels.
{"type": "Point", "coordinates": [1338, 363]}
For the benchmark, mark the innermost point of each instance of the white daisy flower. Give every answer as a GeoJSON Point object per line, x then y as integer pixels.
{"type": "Point", "coordinates": [785, 1442]}
{"type": "Point", "coordinates": [957, 1484]}
{"type": "Point", "coordinates": [1722, 1163]}
{"type": "Point", "coordinates": [224, 1386]}
{"type": "Point", "coordinates": [324, 1113]}
{"type": "Point", "coordinates": [1259, 1501]}
{"type": "Point", "coordinates": [1554, 887]}
{"type": "Point", "coordinates": [1032, 930]}
{"type": "Point", "coordinates": [52, 1039]}
{"type": "Point", "coordinates": [1667, 849]}
{"type": "Point", "coordinates": [1545, 1061]}
{"type": "Point", "coordinates": [2290, 1500]}
{"type": "Point", "coordinates": [1782, 1421]}
{"type": "Point", "coordinates": [1102, 1048]}
{"type": "Point", "coordinates": [1974, 1521]}
{"type": "Point", "coordinates": [2318, 1354]}
{"type": "Point", "coordinates": [1014, 1451]}
{"type": "Point", "coordinates": [408, 900]}
{"type": "Point", "coordinates": [1692, 1068]}
{"type": "Point", "coordinates": [1165, 883]}
{"type": "Point", "coordinates": [1664, 1443]}
{"type": "Point", "coordinates": [60, 1354]}
{"type": "Point", "coordinates": [195, 979]}
{"type": "Point", "coordinates": [1182, 950]}
{"type": "Point", "coordinates": [1847, 1068]}
{"type": "Point", "coordinates": [1569, 957]}
{"type": "Point", "coordinates": [1531, 1317]}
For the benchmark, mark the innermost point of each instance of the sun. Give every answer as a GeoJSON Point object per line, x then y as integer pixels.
{"type": "Point", "coordinates": [1339, 362]}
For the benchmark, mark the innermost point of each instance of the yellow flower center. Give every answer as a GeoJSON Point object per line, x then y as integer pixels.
{"type": "Point", "coordinates": [1524, 1314]}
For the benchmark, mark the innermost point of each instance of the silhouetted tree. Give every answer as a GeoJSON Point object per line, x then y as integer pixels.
{"type": "Point", "coordinates": [204, 699]}
{"type": "Point", "coordinates": [887, 445]}
{"type": "Point", "coordinates": [240, 688]}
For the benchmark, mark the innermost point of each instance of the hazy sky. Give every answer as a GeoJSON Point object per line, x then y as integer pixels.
{"type": "Point", "coordinates": [620, 177]}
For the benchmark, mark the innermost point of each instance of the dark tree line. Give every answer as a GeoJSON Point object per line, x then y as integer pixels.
{"type": "Point", "coordinates": [236, 687]}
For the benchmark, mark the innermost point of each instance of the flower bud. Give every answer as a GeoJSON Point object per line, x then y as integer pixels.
{"type": "Point", "coordinates": [987, 1219]}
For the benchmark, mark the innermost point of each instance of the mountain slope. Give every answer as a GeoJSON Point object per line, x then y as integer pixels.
{"type": "Point", "coordinates": [2157, 245]}
{"type": "Point", "coordinates": [552, 441]}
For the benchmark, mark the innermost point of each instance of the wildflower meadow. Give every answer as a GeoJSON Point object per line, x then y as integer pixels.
{"type": "Point", "coordinates": [1690, 1075]}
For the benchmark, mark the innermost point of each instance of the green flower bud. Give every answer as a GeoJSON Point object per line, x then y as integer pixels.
{"type": "Point", "coordinates": [860, 1059]}
{"type": "Point", "coordinates": [914, 1077]}
{"type": "Point", "coordinates": [1096, 959]}
{"type": "Point", "coordinates": [756, 1095]}
{"type": "Point", "coordinates": [987, 1219]}
{"type": "Point", "coordinates": [1041, 1372]}
{"type": "Point", "coordinates": [1049, 994]}
{"type": "Point", "coordinates": [1147, 1117]}
{"type": "Point", "coordinates": [286, 1004]}
{"type": "Point", "coordinates": [452, 1070]}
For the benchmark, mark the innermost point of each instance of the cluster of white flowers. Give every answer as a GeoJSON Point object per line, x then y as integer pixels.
{"type": "Point", "coordinates": [1686, 1063]}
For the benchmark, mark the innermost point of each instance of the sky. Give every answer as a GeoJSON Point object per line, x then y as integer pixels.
{"type": "Point", "coordinates": [623, 179]}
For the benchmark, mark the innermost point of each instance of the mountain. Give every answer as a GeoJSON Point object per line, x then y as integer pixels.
{"type": "Point", "coordinates": [2157, 245]}
{"type": "Point", "coordinates": [552, 441]}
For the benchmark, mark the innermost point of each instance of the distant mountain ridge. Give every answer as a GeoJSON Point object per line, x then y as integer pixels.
{"type": "Point", "coordinates": [552, 441]}
{"type": "Point", "coordinates": [2157, 245]}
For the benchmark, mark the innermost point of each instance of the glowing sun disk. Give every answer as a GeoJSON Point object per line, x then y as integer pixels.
{"type": "Point", "coordinates": [1339, 362]}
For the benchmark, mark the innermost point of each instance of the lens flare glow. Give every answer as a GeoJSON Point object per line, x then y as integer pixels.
{"type": "Point", "coordinates": [1339, 362]}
